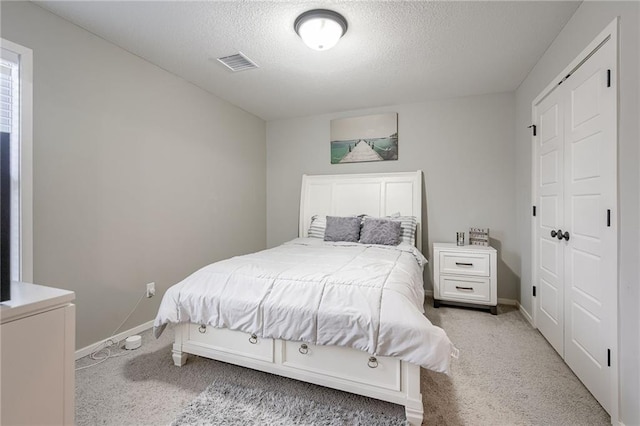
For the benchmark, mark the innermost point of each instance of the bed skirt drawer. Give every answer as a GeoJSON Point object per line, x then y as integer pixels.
{"type": "Point", "coordinates": [343, 363]}
{"type": "Point", "coordinates": [476, 264]}
{"type": "Point", "coordinates": [465, 289]}
{"type": "Point", "coordinates": [232, 342]}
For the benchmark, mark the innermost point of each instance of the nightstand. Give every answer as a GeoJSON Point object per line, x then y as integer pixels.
{"type": "Point", "coordinates": [465, 274]}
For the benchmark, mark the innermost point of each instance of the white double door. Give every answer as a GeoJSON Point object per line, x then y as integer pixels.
{"type": "Point", "coordinates": [575, 234]}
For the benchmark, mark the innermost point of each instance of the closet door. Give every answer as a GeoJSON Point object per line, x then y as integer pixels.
{"type": "Point", "coordinates": [549, 181]}
{"type": "Point", "coordinates": [576, 246]}
{"type": "Point", "coordinates": [590, 276]}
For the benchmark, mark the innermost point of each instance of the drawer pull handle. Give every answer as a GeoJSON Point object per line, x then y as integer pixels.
{"type": "Point", "coordinates": [303, 349]}
{"type": "Point", "coordinates": [202, 329]}
{"type": "Point", "coordinates": [373, 362]}
{"type": "Point", "coordinates": [464, 264]}
{"type": "Point", "coordinates": [465, 288]}
{"type": "Point", "coordinates": [253, 339]}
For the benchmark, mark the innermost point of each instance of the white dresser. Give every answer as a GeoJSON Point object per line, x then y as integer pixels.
{"type": "Point", "coordinates": [37, 347]}
{"type": "Point", "coordinates": [465, 274]}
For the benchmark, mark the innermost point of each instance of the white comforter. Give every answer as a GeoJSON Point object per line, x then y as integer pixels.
{"type": "Point", "coordinates": [367, 297]}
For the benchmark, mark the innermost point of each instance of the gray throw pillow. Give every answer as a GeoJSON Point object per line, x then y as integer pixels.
{"type": "Point", "coordinates": [381, 231]}
{"type": "Point", "coordinates": [408, 225]}
{"type": "Point", "coordinates": [342, 229]}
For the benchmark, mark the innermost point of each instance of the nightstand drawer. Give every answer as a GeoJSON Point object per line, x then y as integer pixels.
{"type": "Point", "coordinates": [476, 264]}
{"type": "Point", "coordinates": [465, 289]}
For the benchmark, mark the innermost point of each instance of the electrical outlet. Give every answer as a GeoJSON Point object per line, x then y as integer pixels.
{"type": "Point", "coordinates": [151, 289]}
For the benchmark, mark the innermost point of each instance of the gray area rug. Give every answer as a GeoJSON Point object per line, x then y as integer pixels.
{"type": "Point", "coordinates": [230, 404]}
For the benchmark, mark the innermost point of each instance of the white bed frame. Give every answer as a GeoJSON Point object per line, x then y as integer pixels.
{"type": "Point", "coordinates": [384, 378]}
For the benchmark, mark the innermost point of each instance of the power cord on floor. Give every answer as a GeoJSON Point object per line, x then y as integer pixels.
{"type": "Point", "coordinates": [102, 351]}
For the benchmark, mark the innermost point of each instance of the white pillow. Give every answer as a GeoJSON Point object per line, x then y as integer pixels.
{"type": "Point", "coordinates": [317, 227]}
{"type": "Point", "coordinates": [408, 225]}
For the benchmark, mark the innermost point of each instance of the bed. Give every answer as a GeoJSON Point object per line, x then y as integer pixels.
{"type": "Point", "coordinates": [339, 314]}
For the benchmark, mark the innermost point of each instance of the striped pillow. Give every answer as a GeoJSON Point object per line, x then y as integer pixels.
{"type": "Point", "coordinates": [408, 224]}
{"type": "Point", "coordinates": [317, 227]}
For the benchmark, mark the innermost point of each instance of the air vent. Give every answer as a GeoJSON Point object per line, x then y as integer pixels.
{"type": "Point", "coordinates": [237, 62]}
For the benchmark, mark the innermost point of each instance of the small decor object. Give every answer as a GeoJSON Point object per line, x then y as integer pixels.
{"type": "Point", "coordinates": [362, 139]}
{"type": "Point", "coordinates": [479, 237]}
{"type": "Point", "coordinates": [133, 342]}
{"type": "Point", "coordinates": [460, 238]}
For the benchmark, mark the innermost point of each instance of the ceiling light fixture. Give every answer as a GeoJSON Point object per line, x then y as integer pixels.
{"type": "Point", "coordinates": [320, 29]}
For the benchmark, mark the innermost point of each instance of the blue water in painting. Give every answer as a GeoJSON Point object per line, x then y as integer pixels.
{"type": "Point", "coordinates": [387, 148]}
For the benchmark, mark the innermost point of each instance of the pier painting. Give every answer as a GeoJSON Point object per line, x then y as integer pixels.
{"type": "Point", "coordinates": [368, 138]}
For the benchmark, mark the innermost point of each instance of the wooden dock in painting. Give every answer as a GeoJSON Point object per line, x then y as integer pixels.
{"type": "Point", "coordinates": [361, 152]}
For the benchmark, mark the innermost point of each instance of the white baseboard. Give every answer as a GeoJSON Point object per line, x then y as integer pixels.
{"type": "Point", "coordinates": [526, 314]}
{"type": "Point", "coordinates": [510, 302]}
{"type": "Point", "coordinates": [121, 336]}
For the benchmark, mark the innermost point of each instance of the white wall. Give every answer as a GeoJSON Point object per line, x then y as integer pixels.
{"type": "Point", "coordinates": [589, 20]}
{"type": "Point", "coordinates": [464, 147]}
{"type": "Point", "coordinates": [139, 176]}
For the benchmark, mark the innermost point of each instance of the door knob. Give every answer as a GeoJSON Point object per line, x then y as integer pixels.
{"type": "Point", "coordinates": [566, 235]}
{"type": "Point", "coordinates": [560, 236]}
{"type": "Point", "coordinates": [553, 233]}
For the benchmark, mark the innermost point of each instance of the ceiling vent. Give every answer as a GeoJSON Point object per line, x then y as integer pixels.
{"type": "Point", "coordinates": [237, 62]}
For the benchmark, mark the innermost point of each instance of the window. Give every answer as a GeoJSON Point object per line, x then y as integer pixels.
{"type": "Point", "coordinates": [16, 118]}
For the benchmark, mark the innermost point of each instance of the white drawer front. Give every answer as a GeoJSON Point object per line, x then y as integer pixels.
{"type": "Point", "coordinates": [233, 342]}
{"type": "Point", "coordinates": [465, 289]}
{"type": "Point", "coordinates": [345, 363]}
{"type": "Point", "coordinates": [476, 264]}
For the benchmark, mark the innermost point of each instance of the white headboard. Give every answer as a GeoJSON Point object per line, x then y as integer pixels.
{"type": "Point", "coordinates": [375, 194]}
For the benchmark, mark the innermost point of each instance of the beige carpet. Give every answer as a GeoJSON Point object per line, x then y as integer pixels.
{"type": "Point", "coordinates": [507, 374]}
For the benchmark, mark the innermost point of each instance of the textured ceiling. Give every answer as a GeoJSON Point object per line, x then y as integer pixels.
{"type": "Point", "coordinates": [393, 52]}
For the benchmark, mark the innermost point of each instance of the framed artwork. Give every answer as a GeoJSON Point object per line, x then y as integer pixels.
{"type": "Point", "coordinates": [363, 139]}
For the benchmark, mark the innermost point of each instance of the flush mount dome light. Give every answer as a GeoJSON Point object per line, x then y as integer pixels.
{"type": "Point", "coordinates": [320, 29]}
